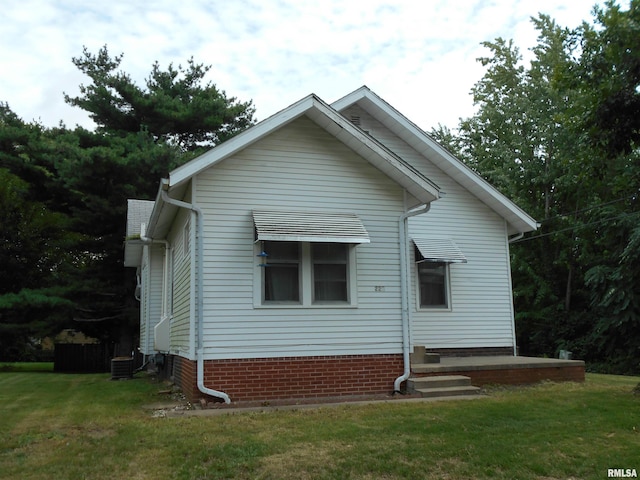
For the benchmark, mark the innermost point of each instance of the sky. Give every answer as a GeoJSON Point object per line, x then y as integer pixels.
{"type": "Point", "coordinates": [418, 55]}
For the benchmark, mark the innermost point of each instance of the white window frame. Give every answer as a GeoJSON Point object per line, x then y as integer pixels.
{"type": "Point", "coordinates": [447, 288]}
{"type": "Point", "coordinates": [306, 281]}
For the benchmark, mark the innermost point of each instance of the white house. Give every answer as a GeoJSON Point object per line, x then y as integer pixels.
{"type": "Point", "coordinates": [306, 256]}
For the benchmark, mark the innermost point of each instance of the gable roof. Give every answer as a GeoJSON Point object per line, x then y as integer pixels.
{"type": "Point", "coordinates": [326, 117]}
{"type": "Point", "coordinates": [518, 220]}
{"type": "Point", "coordinates": [312, 107]}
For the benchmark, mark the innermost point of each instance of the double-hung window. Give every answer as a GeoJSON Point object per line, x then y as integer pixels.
{"type": "Point", "coordinates": [282, 273]}
{"type": "Point", "coordinates": [306, 273]}
{"type": "Point", "coordinates": [306, 258]}
{"type": "Point", "coordinates": [330, 264]}
{"type": "Point", "coordinates": [433, 260]}
{"type": "Point", "coordinates": [433, 278]}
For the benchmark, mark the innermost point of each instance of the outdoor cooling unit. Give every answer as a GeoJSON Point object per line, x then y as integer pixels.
{"type": "Point", "coordinates": [121, 368]}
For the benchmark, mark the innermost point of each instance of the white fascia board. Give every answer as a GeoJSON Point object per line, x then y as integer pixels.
{"type": "Point", "coordinates": [350, 98]}
{"type": "Point", "coordinates": [440, 156]}
{"type": "Point", "coordinates": [157, 210]}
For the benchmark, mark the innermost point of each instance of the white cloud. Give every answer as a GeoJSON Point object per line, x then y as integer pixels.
{"type": "Point", "coordinates": [419, 56]}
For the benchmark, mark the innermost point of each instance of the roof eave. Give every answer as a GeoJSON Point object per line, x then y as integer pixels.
{"type": "Point", "coordinates": [326, 117]}
{"type": "Point", "coordinates": [240, 141]}
{"type": "Point", "coordinates": [517, 219]}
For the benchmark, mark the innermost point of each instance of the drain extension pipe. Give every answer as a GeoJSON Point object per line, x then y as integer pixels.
{"type": "Point", "coordinates": [404, 291]}
{"type": "Point", "coordinates": [200, 290]}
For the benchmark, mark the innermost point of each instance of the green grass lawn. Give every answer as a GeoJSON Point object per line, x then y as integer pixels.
{"type": "Point", "coordinates": [63, 426]}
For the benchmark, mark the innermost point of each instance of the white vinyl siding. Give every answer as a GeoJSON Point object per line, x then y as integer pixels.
{"type": "Point", "coordinates": [481, 311]}
{"type": "Point", "coordinates": [182, 297]}
{"type": "Point", "coordinates": [144, 304]}
{"type": "Point", "coordinates": [151, 300]}
{"type": "Point", "coordinates": [304, 168]}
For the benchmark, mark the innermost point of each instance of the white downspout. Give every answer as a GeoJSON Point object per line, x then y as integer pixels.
{"type": "Point", "coordinates": [516, 237]}
{"type": "Point", "coordinates": [199, 291]}
{"type": "Point", "coordinates": [165, 272]}
{"type": "Point", "coordinates": [404, 291]}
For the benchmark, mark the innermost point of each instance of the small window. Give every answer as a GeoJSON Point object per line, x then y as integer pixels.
{"type": "Point", "coordinates": [433, 281]}
{"type": "Point", "coordinates": [330, 272]}
{"type": "Point", "coordinates": [282, 275]}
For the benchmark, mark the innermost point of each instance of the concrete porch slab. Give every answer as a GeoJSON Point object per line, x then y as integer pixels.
{"type": "Point", "coordinates": [504, 369]}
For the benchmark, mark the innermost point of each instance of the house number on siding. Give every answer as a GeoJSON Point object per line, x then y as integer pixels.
{"type": "Point", "coordinates": [378, 288]}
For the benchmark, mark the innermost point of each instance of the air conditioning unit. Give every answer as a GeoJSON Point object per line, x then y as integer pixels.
{"type": "Point", "coordinates": [121, 368]}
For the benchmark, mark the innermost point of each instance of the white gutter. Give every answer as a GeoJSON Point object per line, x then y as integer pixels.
{"type": "Point", "coordinates": [404, 291]}
{"type": "Point", "coordinates": [199, 290]}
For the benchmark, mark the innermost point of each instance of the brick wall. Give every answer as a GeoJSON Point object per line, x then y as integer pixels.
{"type": "Point", "coordinates": [292, 377]}
{"type": "Point", "coordinates": [184, 376]}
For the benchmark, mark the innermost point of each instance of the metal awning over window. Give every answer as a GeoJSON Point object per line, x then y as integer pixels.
{"type": "Point", "coordinates": [309, 227]}
{"type": "Point", "coordinates": [438, 250]}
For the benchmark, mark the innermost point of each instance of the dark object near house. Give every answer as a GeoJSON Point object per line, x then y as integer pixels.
{"type": "Point", "coordinates": [121, 368]}
{"type": "Point", "coordinates": [81, 358]}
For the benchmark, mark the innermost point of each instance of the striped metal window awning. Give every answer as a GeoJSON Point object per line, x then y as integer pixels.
{"type": "Point", "coordinates": [438, 250]}
{"type": "Point", "coordinates": [309, 227]}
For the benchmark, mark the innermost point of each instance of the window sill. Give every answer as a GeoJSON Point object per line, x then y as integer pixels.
{"type": "Point", "coordinates": [317, 306]}
{"type": "Point", "coordinates": [433, 309]}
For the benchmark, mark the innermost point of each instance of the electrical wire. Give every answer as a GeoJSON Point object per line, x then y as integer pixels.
{"type": "Point", "coordinates": [562, 215]}
{"type": "Point", "coordinates": [576, 227]}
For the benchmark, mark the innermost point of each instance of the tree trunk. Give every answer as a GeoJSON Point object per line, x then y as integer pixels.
{"type": "Point", "coordinates": [567, 293]}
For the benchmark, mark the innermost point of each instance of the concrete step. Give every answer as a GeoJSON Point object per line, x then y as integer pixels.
{"type": "Point", "coordinates": [448, 391]}
{"type": "Point", "coordinates": [438, 381]}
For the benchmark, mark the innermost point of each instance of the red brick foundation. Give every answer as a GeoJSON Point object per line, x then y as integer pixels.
{"type": "Point", "coordinates": [291, 377]}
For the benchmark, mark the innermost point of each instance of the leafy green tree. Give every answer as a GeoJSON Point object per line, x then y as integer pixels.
{"type": "Point", "coordinates": [609, 74]}
{"type": "Point", "coordinates": [65, 191]}
{"type": "Point", "coordinates": [551, 137]}
{"type": "Point", "coordinates": [608, 77]}
{"type": "Point", "coordinates": [100, 172]}
{"type": "Point", "coordinates": [33, 248]}
{"type": "Point", "coordinates": [175, 106]}
{"type": "Point", "coordinates": [518, 140]}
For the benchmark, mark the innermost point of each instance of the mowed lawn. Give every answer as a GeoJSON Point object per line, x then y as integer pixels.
{"type": "Point", "coordinates": [64, 426]}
